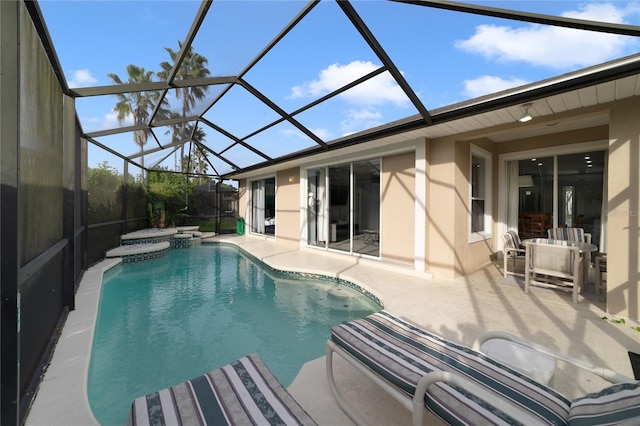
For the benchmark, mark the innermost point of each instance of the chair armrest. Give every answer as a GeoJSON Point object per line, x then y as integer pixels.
{"type": "Point", "coordinates": [607, 374]}
{"type": "Point", "coordinates": [516, 250]}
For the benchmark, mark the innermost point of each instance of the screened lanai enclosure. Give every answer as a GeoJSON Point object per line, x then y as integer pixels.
{"type": "Point", "coordinates": [114, 111]}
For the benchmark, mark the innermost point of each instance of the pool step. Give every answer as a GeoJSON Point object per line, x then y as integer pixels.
{"type": "Point", "coordinates": [148, 244]}
{"type": "Point", "coordinates": [139, 252]}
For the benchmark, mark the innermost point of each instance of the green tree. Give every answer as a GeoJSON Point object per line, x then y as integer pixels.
{"type": "Point", "coordinates": [197, 162]}
{"type": "Point", "coordinates": [104, 183]}
{"type": "Point", "coordinates": [137, 105]}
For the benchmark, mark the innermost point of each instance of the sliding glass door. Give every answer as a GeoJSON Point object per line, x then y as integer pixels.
{"type": "Point", "coordinates": [580, 192]}
{"type": "Point", "coordinates": [366, 207]}
{"type": "Point", "coordinates": [340, 207]}
{"type": "Point", "coordinates": [263, 206]}
{"type": "Point", "coordinates": [557, 191]}
{"type": "Point", "coordinates": [316, 206]}
{"type": "Point", "coordinates": [343, 207]}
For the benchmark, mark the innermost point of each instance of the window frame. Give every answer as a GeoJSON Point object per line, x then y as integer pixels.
{"type": "Point", "coordinates": [487, 176]}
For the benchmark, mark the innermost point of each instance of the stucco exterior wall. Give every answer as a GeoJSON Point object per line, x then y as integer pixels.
{"type": "Point", "coordinates": [398, 208]}
{"type": "Point", "coordinates": [243, 199]}
{"type": "Point", "coordinates": [554, 140]}
{"type": "Point", "coordinates": [288, 205]}
{"type": "Point", "coordinates": [441, 217]}
{"type": "Point", "coordinates": [623, 213]}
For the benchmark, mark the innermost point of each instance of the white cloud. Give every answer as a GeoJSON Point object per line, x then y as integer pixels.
{"type": "Point", "coordinates": [357, 120]}
{"type": "Point", "coordinates": [324, 134]}
{"type": "Point", "coordinates": [553, 47]}
{"type": "Point", "coordinates": [379, 90]}
{"type": "Point", "coordinates": [110, 121]}
{"type": "Point", "coordinates": [82, 78]}
{"type": "Point", "coordinates": [489, 84]}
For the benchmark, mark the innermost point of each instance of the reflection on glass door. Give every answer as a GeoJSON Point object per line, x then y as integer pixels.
{"type": "Point", "coordinates": [316, 221]}
{"type": "Point", "coordinates": [584, 174]}
{"type": "Point", "coordinates": [340, 207]}
{"type": "Point", "coordinates": [366, 207]}
{"type": "Point", "coordinates": [263, 206]}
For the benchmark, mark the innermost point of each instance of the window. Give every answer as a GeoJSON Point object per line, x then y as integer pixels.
{"type": "Point", "coordinates": [480, 182]}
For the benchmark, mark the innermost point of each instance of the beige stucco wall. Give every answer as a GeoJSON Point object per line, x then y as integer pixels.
{"type": "Point", "coordinates": [243, 199]}
{"type": "Point", "coordinates": [553, 140]}
{"type": "Point", "coordinates": [623, 214]}
{"type": "Point", "coordinates": [398, 208]}
{"type": "Point", "coordinates": [441, 211]}
{"type": "Point", "coordinates": [288, 205]}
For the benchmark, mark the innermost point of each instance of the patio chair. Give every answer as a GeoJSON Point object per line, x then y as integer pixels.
{"type": "Point", "coordinates": [569, 234]}
{"type": "Point", "coordinates": [513, 249]}
{"type": "Point", "coordinates": [461, 385]}
{"type": "Point", "coordinates": [242, 392]}
{"type": "Point", "coordinates": [552, 263]}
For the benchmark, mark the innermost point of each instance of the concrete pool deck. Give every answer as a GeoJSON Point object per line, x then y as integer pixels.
{"type": "Point", "coordinates": [458, 310]}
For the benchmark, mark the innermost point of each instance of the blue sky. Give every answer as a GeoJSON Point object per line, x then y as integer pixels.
{"type": "Point", "coordinates": [446, 57]}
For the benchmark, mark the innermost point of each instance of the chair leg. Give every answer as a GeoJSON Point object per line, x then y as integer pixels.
{"type": "Point", "coordinates": [506, 262]}
{"type": "Point", "coordinates": [527, 273]}
{"type": "Point", "coordinates": [331, 348]}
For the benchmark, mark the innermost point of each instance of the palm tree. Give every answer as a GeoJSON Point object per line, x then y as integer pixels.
{"type": "Point", "coordinates": [193, 66]}
{"type": "Point", "coordinates": [198, 162]}
{"type": "Point", "coordinates": [139, 105]}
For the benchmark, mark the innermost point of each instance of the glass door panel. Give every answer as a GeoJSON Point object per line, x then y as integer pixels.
{"type": "Point", "coordinates": [316, 219]}
{"type": "Point", "coordinates": [340, 207]}
{"type": "Point", "coordinates": [263, 206]}
{"type": "Point", "coordinates": [366, 207]}
{"type": "Point", "coordinates": [580, 191]}
{"type": "Point", "coordinates": [270, 206]}
{"type": "Point", "coordinates": [535, 197]}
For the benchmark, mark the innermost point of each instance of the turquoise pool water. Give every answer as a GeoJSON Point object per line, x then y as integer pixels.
{"type": "Point", "coordinates": [164, 321]}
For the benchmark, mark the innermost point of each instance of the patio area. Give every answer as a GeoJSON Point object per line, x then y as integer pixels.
{"type": "Point", "coordinates": [458, 310]}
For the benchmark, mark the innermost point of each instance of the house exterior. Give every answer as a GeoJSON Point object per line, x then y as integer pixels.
{"type": "Point", "coordinates": [441, 202]}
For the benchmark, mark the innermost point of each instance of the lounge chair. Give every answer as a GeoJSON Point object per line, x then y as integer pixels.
{"type": "Point", "coordinates": [558, 261]}
{"type": "Point", "coordinates": [461, 385]}
{"type": "Point", "coordinates": [243, 392]}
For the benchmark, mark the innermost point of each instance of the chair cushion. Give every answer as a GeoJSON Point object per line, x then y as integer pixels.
{"type": "Point", "coordinates": [243, 392]}
{"type": "Point", "coordinates": [569, 234]}
{"type": "Point", "coordinates": [512, 240]}
{"type": "Point", "coordinates": [402, 353]}
{"type": "Point", "coordinates": [613, 405]}
{"type": "Point", "coordinates": [553, 242]}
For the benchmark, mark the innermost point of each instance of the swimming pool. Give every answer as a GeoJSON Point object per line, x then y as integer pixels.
{"type": "Point", "coordinates": [164, 321]}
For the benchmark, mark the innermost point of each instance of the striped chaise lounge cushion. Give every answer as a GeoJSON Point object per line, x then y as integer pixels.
{"type": "Point", "coordinates": [243, 392]}
{"type": "Point", "coordinates": [402, 353]}
{"type": "Point", "coordinates": [617, 404]}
